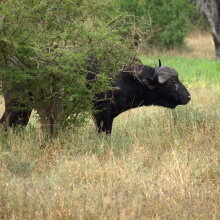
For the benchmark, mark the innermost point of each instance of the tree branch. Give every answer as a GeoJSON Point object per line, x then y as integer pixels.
{"type": "Point", "coordinates": [2, 19]}
{"type": "Point", "coordinates": [206, 11]}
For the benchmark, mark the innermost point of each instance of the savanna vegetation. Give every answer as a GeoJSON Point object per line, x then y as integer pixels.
{"type": "Point", "coordinates": [157, 164]}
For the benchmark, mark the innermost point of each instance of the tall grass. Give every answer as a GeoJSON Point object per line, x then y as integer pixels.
{"type": "Point", "coordinates": [158, 163]}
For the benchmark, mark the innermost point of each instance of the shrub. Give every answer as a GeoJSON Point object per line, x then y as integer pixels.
{"type": "Point", "coordinates": [169, 19]}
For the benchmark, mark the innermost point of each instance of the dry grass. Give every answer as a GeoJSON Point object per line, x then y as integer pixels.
{"type": "Point", "coordinates": [202, 45]}
{"type": "Point", "coordinates": [198, 45]}
{"type": "Point", "coordinates": [158, 164]}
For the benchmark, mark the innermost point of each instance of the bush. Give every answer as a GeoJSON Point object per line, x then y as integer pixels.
{"type": "Point", "coordinates": [169, 19]}
{"type": "Point", "coordinates": [44, 48]}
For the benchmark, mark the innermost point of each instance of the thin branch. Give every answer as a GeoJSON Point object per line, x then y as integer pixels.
{"type": "Point", "coordinates": [18, 25]}
{"type": "Point", "coordinates": [2, 19]}
{"type": "Point", "coordinates": [30, 34]}
{"type": "Point", "coordinates": [16, 62]}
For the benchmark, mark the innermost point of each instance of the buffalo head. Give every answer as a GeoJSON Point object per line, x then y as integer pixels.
{"type": "Point", "coordinates": [166, 84]}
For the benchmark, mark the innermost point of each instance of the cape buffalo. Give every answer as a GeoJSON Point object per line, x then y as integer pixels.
{"type": "Point", "coordinates": [140, 85]}
{"type": "Point", "coordinates": [135, 86]}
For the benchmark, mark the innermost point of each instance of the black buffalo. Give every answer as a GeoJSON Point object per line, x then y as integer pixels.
{"type": "Point", "coordinates": [140, 85]}
{"type": "Point", "coordinates": [135, 86]}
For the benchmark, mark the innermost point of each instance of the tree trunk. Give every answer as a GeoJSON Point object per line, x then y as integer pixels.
{"type": "Point", "coordinates": [211, 9]}
{"type": "Point", "coordinates": [217, 49]}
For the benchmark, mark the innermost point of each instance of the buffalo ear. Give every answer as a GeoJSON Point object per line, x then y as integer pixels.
{"type": "Point", "coordinates": [163, 78]}
{"type": "Point", "coordinates": [149, 83]}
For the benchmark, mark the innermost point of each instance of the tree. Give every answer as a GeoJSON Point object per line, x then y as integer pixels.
{"type": "Point", "coordinates": [211, 9]}
{"type": "Point", "coordinates": [44, 50]}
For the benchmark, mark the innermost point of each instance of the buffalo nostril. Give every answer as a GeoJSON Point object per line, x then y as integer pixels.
{"type": "Point", "coordinates": [189, 98]}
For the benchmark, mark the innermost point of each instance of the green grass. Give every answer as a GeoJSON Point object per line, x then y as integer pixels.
{"type": "Point", "coordinates": [199, 72]}
{"type": "Point", "coordinates": [158, 163]}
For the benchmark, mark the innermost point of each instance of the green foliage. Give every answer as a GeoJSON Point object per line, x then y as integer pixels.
{"type": "Point", "coordinates": [199, 22]}
{"type": "Point", "coordinates": [169, 19]}
{"type": "Point", "coordinates": [44, 48]}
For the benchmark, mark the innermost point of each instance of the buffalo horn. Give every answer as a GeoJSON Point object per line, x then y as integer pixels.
{"type": "Point", "coordinates": [156, 69]}
{"type": "Point", "coordinates": [156, 72]}
{"type": "Point", "coordinates": [159, 63]}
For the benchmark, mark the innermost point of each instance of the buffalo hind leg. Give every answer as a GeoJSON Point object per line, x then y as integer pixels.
{"type": "Point", "coordinates": [12, 118]}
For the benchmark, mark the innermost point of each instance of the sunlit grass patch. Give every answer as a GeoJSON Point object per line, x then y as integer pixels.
{"type": "Point", "coordinates": [197, 45]}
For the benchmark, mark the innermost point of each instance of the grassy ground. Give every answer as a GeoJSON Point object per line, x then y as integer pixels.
{"type": "Point", "coordinates": [158, 163]}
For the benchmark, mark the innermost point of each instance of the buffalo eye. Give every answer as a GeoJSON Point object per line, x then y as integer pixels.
{"type": "Point", "coordinates": [175, 83]}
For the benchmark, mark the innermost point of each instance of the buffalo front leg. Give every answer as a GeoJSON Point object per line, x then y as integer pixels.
{"type": "Point", "coordinates": [103, 122]}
